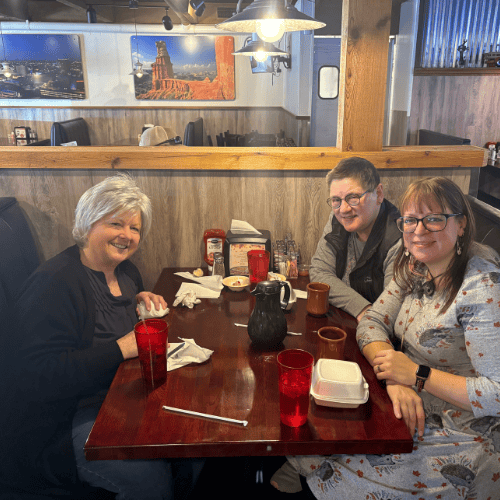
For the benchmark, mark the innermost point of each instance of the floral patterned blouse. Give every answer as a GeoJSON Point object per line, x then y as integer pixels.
{"type": "Point", "coordinates": [465, 340]}
{"type": "Point", "coordinates": [458, 457]}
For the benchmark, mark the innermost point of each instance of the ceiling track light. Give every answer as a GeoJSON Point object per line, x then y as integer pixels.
{"type": "Point", "coordinates": [198, 6]}
{"type": "Point", "coordinates": [270, 19]}
{"type": "Point", "coordinates": [167, 22]}
{"type": "Point", "coordinates": [133, 4]}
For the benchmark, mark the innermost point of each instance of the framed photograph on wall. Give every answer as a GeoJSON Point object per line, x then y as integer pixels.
{"type": "Point", "coordinates": [184, 67]}
{"type": "Point", "coordinates": [41, 67]}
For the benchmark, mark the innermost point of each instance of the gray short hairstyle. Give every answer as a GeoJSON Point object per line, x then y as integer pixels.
{"type": "Point", "coordinates": [359, 169]}
{"type": "Point", "coordinates": [118, 194]}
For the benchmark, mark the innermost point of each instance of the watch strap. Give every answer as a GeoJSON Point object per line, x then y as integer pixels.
{"type": "Point", "coordinates": [423, 373]}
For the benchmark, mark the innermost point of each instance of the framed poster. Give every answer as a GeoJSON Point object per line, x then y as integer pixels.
{"type": "Point", "coordinates": [41, 67]}
{"type": "Point", "coordinates": [184, 67]}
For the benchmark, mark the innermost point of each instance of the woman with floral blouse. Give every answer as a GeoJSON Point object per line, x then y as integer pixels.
{"type": "Point", "coordinates": [433, 338]}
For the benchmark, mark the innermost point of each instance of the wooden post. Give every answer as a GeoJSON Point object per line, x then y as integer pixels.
{"type": "Point", "coordinates": [363, 73]}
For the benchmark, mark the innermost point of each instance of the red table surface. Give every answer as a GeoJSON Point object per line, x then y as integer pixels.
{"type": "Point", "coordinates": [239, 381]}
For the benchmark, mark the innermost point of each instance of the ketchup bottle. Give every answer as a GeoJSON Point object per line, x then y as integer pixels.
{"type": "Point", "coordinates": [214, 242]}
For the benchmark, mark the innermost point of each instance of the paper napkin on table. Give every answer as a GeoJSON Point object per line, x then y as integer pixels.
{"type": "Point", "coordinates": [212, 282]}
{"type": "Point", "coordinates": [200, 291]}
{"type": "Point", "coordinates": [301, 294]}
{"type": "Point", "coordinates": [145, 314]}
{"type": "Point", "coordinates": [242, 227]}
{"type": "Point", "coordinates": [190, 353]}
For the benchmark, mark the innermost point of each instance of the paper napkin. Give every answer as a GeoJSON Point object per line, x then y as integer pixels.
{"type": "Point", "coordinates": [145, 314]}
{"type": "Point", "coordinates": [242, 227]}
{"type": "Point", "coordinates": [190, 353]}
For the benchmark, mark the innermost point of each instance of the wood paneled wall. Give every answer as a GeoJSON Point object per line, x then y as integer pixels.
{"type": "Point", "coordinates": [185, 203]}
{"type": "Point", "coordinates": [109, 126]}
{"type": "Point", "coordinates": [464, 106]}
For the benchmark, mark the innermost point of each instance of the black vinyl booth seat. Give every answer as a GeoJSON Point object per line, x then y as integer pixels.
{"type": "Point", "coordinates": [18, 253]}
{"type": "Point", "coordinates": [69, 131]}
{"type": "Point", "coordinates": [430, 138]}
{"type": "Point", "coordinates": [18, 259]}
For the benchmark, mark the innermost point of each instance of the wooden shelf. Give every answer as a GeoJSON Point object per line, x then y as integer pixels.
{"type": "Point", "coordinates": [455, 71]}
{"type": "Point", "coordinates": [214, 158]}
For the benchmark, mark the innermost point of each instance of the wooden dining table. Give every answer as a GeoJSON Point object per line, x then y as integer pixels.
{"type": "Point", "coordinates": [238, 381]}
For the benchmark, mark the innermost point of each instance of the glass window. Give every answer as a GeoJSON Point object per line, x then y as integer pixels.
{"type": "Point", "coordinates": [328, 82]}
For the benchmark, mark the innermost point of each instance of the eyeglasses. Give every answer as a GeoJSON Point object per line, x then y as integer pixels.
{"type": "Point", "coordinates": [432, 222]}
{"type": "Point", "coordinates": [351, 199]}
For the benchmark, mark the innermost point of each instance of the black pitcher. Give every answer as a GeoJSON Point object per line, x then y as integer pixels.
{"type": "Point", "coordinates": [267, 325]}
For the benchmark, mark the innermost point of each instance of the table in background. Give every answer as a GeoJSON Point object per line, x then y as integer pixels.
{"type": "Point", "coordinates": [240, 382]}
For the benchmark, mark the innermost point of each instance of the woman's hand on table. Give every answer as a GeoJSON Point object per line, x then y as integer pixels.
{"type": "Point", "coordinates": [407, 405]}
{"type": "Point", "coordinates": [399, 372]}
{"type": "Point", "coordinates": [150, 299]}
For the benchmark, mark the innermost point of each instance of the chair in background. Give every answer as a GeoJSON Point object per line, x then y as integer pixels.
{"type": "Point", "coordinates": [44, 142]}
{"type": "Point", "coordinates": [69, 131]}
{"type": "Point", "coordinates": [430, 138]}
{"type": "Point", "coordinates": [487, 220]}
{"type": "Point", "coordinates": [220, 140]}
{"type": "Point", "coordinates": [193, 134]}
{"type": "Point", "coordinates": [234, 140]}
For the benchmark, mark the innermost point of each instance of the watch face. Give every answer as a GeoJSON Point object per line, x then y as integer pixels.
{"type": "Point", "coordinates": [423, 371]}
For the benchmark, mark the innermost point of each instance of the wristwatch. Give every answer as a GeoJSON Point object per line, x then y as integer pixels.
{"type": "Point", "coordinates": [423, 373]}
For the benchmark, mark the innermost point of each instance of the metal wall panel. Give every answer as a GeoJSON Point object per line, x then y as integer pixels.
{"type": "Point", "coordinates": [448, 23]}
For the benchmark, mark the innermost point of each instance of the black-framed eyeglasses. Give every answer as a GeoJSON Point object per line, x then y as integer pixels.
{"type": "Point", "coordinates": [351, 199]}
{"type": "Point", "coordinates": [432, 222]}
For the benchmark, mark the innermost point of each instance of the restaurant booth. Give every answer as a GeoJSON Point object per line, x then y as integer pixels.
{"type": "Point", "coordinates": [281, 189]}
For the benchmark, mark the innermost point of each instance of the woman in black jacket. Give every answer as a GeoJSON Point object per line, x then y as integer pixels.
{"type": "Point", "coordinates": [74, 325]}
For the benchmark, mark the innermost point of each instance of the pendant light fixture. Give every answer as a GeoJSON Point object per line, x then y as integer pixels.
{"type": "Point", "coordinates": [270, 19]}
{"type": "Point", "coordinates": [7, 72]}
{"type": "Point", "coordinates": [138, 65]}
{"type": "Point", "coordinates": [259, 49]}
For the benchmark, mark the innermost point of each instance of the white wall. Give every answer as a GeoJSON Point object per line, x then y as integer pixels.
{"type": "Point", "coordinates": [298, 80]}
{"type": "Point", "coordinates": [107, 62]}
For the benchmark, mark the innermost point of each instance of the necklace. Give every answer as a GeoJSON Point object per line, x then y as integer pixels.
{"type": "Point", "coordinates": [429, 287]}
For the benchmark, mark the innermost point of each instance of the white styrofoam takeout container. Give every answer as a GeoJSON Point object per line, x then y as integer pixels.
{"type": "Point", "coordinates": [339, 384]}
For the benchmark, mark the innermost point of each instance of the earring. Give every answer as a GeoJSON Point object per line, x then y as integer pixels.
{"type": "Point", "coordinates": [407, 253]}
{"type": "Point", "coordinates": [459, 247]}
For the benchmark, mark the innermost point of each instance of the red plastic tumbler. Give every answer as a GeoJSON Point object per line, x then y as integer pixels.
{"type": "Point", "coordinates": [295, 373]}
{"type": "Point", "coordinates": [258, 265]}
{"type": "Point", "coordinates": [151, 336]}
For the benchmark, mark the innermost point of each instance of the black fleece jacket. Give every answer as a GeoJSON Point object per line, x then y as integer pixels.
{"type": "Point", "coordinates": [50, 366]}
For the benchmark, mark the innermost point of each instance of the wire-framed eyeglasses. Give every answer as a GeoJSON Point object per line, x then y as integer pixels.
{"type": "Point", "coordinates": [432, 222]}
{"type": "Point", "coordinates": [351, 199]}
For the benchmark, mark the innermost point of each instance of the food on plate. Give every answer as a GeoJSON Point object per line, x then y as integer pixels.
{"type": "Point", "coordinates": [198, 272]}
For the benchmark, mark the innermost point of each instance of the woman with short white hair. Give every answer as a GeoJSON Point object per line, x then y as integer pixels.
{"type": "Point", "coordinates": [75, 319]}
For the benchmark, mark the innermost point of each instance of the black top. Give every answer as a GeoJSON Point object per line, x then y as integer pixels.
{"type": "Point", "coordinates": [114, 316]}
{"type": "Point", "coordinates": [50, 364]}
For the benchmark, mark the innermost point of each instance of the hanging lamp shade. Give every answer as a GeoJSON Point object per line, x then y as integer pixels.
{"type": "Point", "coordinates": [249, 20]}
{"type": "Point", "coordinates": [137, 70]}
{"type": "Point", "coordinates": [6, 70]}
{"type": "Point", "coordinates": [260, 50]}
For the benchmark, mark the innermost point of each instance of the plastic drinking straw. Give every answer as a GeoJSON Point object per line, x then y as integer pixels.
{"type": "Point", "coordinates": [150, 352]}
